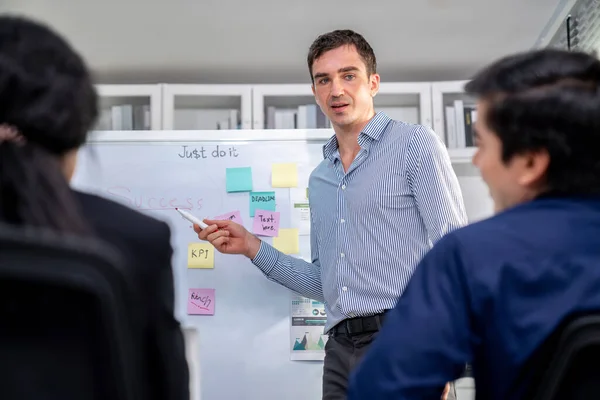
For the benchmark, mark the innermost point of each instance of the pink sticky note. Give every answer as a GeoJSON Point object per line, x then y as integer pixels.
{"type": "Point", "coordinates": [234, 216]}
{"type": "Point", "coordinates": [266, 223]}
{"type": "Point", "coordinates": [201, 302]}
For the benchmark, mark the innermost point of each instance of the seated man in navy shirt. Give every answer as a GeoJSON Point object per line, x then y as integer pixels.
{"type": "Point", "coordinates": [492, 292]}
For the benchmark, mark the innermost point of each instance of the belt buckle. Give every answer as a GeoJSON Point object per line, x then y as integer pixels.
{"type": "Point", "coordinates": [350, 327]}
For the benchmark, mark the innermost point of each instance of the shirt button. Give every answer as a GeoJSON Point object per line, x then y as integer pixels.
{"type": "Point", "coordinates": [342, 220]}
{"type": "Point", "coordinates": [342, 255]}
{"type": "Point", "coordinates": [352, 315]}
{"type": "Point", "coordinates": [345, 289]}
{"type": "Point", "coordinates": [343, 187]}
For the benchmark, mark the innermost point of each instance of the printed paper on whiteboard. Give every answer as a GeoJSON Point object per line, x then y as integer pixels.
{"type": "Point", "coordinates": [307, 336]}
{"type": "Point", "coordinates": [300, 217]}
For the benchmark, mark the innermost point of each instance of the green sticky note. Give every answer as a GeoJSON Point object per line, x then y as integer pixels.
{"type": "Point", "coordinates": [239, 179]}
{"type": "Point", "coordinates": [262, 201]}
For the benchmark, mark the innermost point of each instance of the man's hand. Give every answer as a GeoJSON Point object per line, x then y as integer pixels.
{"type": "Point", "coordinates": [449, 392]}
{"type": "Point", "coordinates": [229, 237]}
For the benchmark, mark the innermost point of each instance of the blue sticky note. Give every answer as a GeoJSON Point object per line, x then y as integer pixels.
{"type": "Point", "coordinates": [239, 179]}
{"type": "Point", "coordinates": [262, 201]}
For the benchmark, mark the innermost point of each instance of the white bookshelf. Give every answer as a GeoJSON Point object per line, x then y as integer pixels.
{"type": "Point", "coordinates": [410, 102]}
{"type": "Point", "coordinates": [129, 107]}
{"type": "Point", "coordinates": [476, 194]}
{"type": "Point", "coordinates": [206, 107]}
{"type": "Point", "coordinates": [462, 156]}
{"type": "Point", "coordinates": [284, 98]}
{"type": "Point", "coordinates": [449, 99]}
{"type": "Point", "coordinates": [406, 101]}
{"type": "Point", "coordinates": [478, 202]}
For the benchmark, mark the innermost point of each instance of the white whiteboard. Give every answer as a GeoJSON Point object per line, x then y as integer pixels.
{"type": "Point", "coordinates": [244, 349]}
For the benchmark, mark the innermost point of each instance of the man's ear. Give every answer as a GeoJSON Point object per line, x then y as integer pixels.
{"type": "Point", "coordinates": [375, 81]}
{"type": "Point", "coordinates": [534, 167]}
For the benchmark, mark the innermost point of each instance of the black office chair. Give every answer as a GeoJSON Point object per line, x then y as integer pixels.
{"type": "Point", "coordinates": [568, 363]}
{"type": "Point", "coordinates": [68, 326]}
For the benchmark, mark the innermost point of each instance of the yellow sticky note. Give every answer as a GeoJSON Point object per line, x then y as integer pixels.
{"type": "Point", "coordinates": [201, 255]}
{"type": "Point", "coordinates": [284, 175]}
{"type": "Point", "coordinates": [287, 242]}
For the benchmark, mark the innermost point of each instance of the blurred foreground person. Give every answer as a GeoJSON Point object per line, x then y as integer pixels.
{"type": "Point", "coordinates": [492, 292]}
{"type": "Point", "coordinates": [47, 106]}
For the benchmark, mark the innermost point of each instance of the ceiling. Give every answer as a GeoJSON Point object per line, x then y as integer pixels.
{"type": "Point", "coordinates": [266, 41]}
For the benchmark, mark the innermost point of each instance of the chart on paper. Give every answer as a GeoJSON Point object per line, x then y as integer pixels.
{"type": "Point", "coordinates": [307, 338]}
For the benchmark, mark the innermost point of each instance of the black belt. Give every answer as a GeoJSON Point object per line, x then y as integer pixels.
{"type": "Point", "coordinates": [358, 325]}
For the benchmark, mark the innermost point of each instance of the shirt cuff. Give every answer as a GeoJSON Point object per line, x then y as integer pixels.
{"type": "Point", "coordinates": [266, 258]}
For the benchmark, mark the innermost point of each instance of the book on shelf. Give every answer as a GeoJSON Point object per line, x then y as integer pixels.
{"type": "Point", "coordinates": [206, 119]}
{"type": "Point", "coordinates": [308, 116]}
{"type": "Point", "coordinates": [459, 124]}
{"type": "Point", "coordinates": [233, 122]}
{"type": "Point", "coordinates": [124, 117]}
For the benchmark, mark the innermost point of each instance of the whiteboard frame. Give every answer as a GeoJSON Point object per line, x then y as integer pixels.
{"type": "Point", "coordinates": [457, 156]}
{"type": "Point", "coordinates": [234, 135]}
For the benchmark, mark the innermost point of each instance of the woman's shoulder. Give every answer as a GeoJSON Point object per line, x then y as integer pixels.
{"type": "Point", "coordinates": [110, 218]}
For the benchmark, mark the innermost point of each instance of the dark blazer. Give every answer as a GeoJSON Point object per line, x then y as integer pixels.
{"type": "Point", "coordinates": [145, 242]}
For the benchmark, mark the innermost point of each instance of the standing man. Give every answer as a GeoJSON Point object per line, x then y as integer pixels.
{"type": "Point", "coordinates": [383, 194]}
{"type": "Point", "coordinates": [493, 292]}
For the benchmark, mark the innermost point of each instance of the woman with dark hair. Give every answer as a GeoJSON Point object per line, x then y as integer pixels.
{"type": "Point", "coordinates": [47, 106]}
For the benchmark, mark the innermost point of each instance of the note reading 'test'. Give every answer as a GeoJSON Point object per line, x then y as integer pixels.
{"type": "Point", "coordinates": [266, 223]}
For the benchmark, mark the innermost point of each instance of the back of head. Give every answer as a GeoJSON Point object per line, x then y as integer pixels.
{"type": "Point", "coordinates": [47, 99]}
{"type": "Point", "coordinates": [547, 101]}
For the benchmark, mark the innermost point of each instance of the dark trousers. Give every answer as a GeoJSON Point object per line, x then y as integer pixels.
{"type": "Point", "coordinates": [342, 354]}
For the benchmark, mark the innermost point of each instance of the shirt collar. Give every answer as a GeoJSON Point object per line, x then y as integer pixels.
{"type": "Point", "coordinates": [373, 130]}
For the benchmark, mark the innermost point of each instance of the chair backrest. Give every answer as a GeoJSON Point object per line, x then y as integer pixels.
{"type": "Point", "coordinates": [571, 356]}
{"type": "Point", "coordinates": [68, 325]}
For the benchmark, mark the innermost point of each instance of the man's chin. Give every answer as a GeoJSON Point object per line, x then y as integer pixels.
{"type": "Point", "coordinates": [342, 120]}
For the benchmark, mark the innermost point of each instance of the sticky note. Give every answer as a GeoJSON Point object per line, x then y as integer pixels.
{"type": "Point", "coordinates": [262, 200]}
{"type": "Point", "coordinates": [266, 223]}
{"type": "Point", "coordinates": [201, 302]}
{"type": "Point", "coordinates": [284, 175]}
{"type": "Point", "coordinates": [239, 179]}
{"type": "Point", "coordinates": [201, 255]}
{"type": "Point", "coordinates": [234, 216]}
{"type": "Point", "coordinates": [287, 241]}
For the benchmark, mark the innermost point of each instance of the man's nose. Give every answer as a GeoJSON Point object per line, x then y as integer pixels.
{"type": "Point", "coordinates": [337, 88]}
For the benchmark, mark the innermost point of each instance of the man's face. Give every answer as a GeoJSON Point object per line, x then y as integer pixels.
{"type": "Point", "coordinates": [342, 87]}
{"type": "Point", "coordinates": [512, 182]}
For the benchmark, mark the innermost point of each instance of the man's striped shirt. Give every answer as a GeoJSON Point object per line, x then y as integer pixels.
{"type": "Point", "coordinates": [371, 225]}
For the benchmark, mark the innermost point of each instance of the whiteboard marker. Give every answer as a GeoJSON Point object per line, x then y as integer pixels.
{"type": "Point", "coordinates": [191, 218]}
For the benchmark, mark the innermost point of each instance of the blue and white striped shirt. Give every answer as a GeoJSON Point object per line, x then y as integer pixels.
{"type": "Point", "coordinates": [371, 225]}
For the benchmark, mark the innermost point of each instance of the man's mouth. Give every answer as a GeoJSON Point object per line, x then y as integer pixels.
{"type": "Point", "coordinates": [339, 106]}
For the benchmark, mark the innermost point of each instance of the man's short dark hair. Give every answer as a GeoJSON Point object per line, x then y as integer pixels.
{"type": "Point", "coordinates": [338, 38]}
{"type": "Point", "coordinates": [547, 100]}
